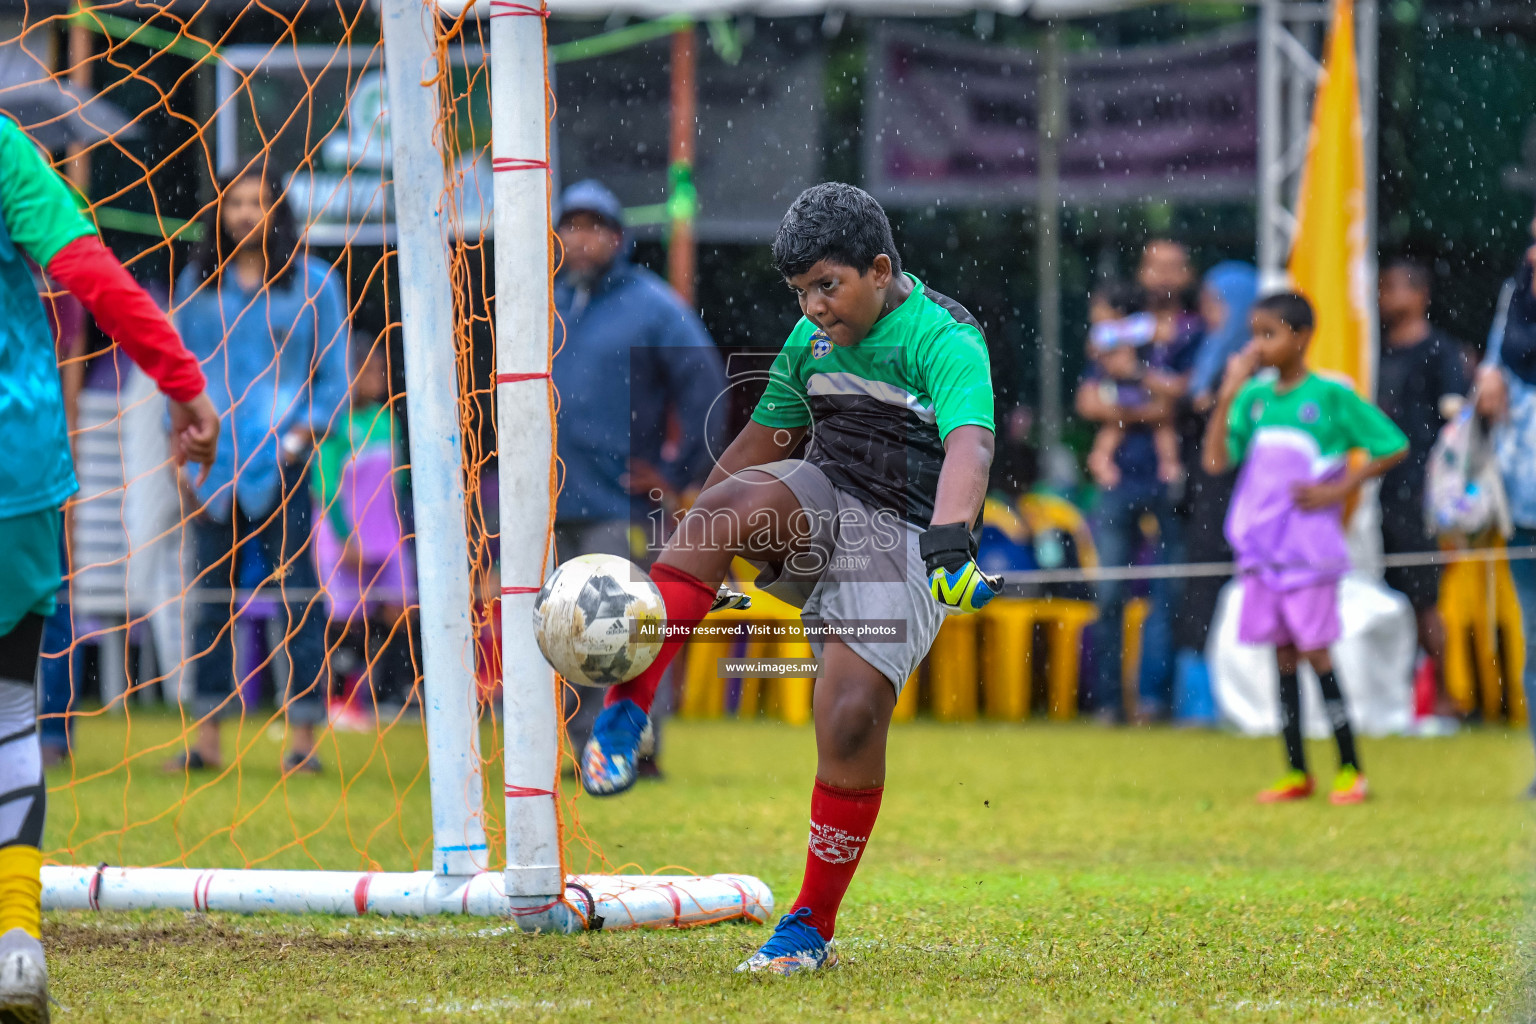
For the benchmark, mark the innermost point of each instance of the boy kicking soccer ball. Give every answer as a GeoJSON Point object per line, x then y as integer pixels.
{"type": "Point", "coordinates": [891, 381]}
{"type": "Point", "coordinates": [1293, 430]}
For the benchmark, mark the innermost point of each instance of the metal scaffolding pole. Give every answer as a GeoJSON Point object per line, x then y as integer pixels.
{"type": "Point", "coordinates": [681, 255]}
{"type": "Point", "coordinates": [1048, 239]}
{"type": "Point", "coordinates": [1292, 34]}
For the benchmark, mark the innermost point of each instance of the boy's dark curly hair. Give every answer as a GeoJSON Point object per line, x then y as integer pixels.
{"type": "Point", "coordinates": [1290, 308]}
{"type": "Point", "coordinates": [837, 222]}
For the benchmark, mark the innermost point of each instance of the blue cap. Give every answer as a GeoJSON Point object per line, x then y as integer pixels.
{"type": "Point", "coordinates": [592, 196]}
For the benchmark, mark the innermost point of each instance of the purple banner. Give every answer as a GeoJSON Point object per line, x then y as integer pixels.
{"type": "Point", "coordinates": [957, 122]}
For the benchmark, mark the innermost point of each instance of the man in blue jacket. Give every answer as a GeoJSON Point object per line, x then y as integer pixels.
{"type": "Point", "coordinates": [638, 378]}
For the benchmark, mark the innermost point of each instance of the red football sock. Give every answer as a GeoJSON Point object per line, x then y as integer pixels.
{"type": "Point", "coordinates": [841, 820]}
{"type": "Point", "coordinates": [687, 600]}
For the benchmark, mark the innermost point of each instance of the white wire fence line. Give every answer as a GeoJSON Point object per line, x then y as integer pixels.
{"type": "Point", "coordinates": [1011, 579]}
{"type": "Point", "coordinates": [1190, 570]}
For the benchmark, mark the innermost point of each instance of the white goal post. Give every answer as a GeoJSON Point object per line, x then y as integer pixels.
{"type": "Point", "coordinates": [533, 890]}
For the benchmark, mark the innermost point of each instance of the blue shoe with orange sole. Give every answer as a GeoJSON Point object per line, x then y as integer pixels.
{"type": "Point", "coordinates": [621, 734]}
{"type": "Point", "coordinates": [795, 946]}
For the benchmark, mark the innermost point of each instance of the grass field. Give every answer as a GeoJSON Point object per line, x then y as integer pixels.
{"type": "Point", "coordinates": [1042, 873]}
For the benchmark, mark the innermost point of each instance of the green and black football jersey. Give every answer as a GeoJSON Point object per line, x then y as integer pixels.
{"type": "Point", "coordinates": [879, 411]}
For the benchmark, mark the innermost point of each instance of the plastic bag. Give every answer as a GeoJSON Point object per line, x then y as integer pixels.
{"type": "Point", "coordinates": [1463, 488]}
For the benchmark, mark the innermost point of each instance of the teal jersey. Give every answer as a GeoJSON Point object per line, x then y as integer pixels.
{"type": "Point", "coordinates": [31, 571]}
{"type": "Point", "coordinates": [38, 217]}
{"type": "Point", "coordinates": [879, 411]}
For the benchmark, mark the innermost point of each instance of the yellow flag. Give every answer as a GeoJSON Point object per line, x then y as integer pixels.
{"type": "Point", "coordinates": [1328, 256]}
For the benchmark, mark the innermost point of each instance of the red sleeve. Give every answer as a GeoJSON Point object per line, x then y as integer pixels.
{"type": "Point", "coordinates": [128, 315]}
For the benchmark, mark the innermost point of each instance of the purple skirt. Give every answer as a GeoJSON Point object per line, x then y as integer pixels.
{"type": "Point", "coordinates": [386, 574]}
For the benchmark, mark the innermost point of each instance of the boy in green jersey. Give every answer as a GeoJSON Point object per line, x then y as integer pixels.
{"type": "Point", "coordinates": [1293, 430]}
{"type": "Point", "coordinates": [870, 533]}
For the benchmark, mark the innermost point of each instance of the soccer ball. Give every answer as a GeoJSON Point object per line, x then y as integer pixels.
{"type": "Point", "coordinates": [599, 620]}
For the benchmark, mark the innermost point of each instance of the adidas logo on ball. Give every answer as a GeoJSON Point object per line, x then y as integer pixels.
{"type": "Point", "coordinates": [599, 620]}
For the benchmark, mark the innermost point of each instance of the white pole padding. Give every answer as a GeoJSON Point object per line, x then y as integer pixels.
{"type": "Point", "coordinates": [437, 480]}
{"type": "Point", "coordinates": [526, 442]}
{"type": "Point", "coordinates": [609, 902]}
{"type": "Point", "coordinates": [346, 893]}
{"type": "Point", "coordinates": [671, 901]}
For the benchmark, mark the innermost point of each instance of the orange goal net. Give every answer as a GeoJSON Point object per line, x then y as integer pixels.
{"type": "Point", "coordinates": [209, 637]}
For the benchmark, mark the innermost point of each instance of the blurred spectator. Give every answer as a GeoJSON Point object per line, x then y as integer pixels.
{"type": "Point", "coordinates": [1119, 333]}
{"type": "Point", "coordinates": [1418, 366]}
{"type": "Point", "coordinates": [59, 668]}
{"type": "Point", "coordinates": [1023, 528]}
{"type": "Point", "coordinates": [1166, 280]}
{"type": "Point", "coordinates": [364, 557]}
{"type": "Point", "coordinates": [269, 324]}
{"type": "Point", "coordinates": [1227, 295]}
{"type": "Point", "coordinates": [633, 360]}
{"type": "Point", "coordinates": [1226, 299]}
{"type": "Point", "coordinates": [1506, 392]}
{"type": "Point", "coordinates": [1167, 277]}
{"type": "Point", "coordinates": [123, 532]}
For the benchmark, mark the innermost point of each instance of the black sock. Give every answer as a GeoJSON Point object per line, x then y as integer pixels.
{"type": "Point", "coordinates": [1290, 720]}
{"type": "Point", "coordinates": [393, 672]}
{"type": "Point", "coordinates": [1338, 716]}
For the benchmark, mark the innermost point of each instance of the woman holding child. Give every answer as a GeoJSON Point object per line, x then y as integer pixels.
{"type": "Point", "coordinates": [1146, 345]}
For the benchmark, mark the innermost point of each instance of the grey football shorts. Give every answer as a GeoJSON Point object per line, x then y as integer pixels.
{"type": "Point", "coordinates": [861, 577]}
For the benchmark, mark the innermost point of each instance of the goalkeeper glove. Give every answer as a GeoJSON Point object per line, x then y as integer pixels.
{"type": "Point", "coordinates": [954, 578]}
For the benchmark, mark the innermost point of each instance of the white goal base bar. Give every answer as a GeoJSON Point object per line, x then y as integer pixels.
{"type": "Point", "coordinates": [590, 902]}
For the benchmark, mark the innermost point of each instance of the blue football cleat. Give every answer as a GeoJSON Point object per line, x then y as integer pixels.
{"type": "Point", "coordinates": [621, 734]}
{"type": "Point", "coordinates": [795, 946]}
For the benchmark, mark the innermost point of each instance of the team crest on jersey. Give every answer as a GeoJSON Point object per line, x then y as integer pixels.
{"type": "Point", "coordinates": [821, 344]}
{"type": "Point", "coordinates": [1309, 412]}
{"type": "Point", "coordinates": [1256, 409]}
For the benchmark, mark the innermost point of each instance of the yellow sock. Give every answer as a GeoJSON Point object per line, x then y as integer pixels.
{"type": "Point", "coordinates": [21, 890]}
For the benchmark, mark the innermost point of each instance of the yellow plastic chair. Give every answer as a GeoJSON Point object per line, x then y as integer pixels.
{"type": "Point", "coordinates": [1133, 625]}
{"type": "Point", "coordinates": [952, 672]}
{"type": "Point", "coordinates": [1007, 657]}
{"type": "Point", "coordinates": [1007, 654]}
{"type": "Point", "coordinates": [1000, 640]}
{"type": "Point", "coordinates": [703, 693]}
{"type": "Point", "coordinates": [704, 690]}
{"type": "Point", "coordinates": [1479, 607]}
{"type": "Point", "coordinates": [786, 699]}
{"type": "Point", "coordinates": [792, 697]}
{"type": "Point", "coordinates": [906, 704]}
{"type": "Point", "coordinates": [778, 697]}
{"type": "Point", "coordinates": [976, 660]}
{"type": "Point", "coordinates": [749, 705]}
{"type": "Point", "coordinates": [1064, 640]}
